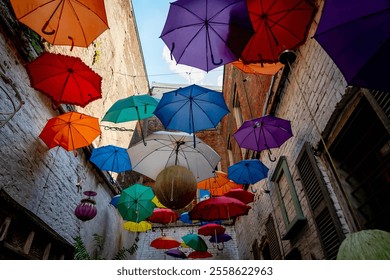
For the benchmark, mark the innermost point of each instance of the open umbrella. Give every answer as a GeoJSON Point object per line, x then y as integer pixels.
{"type": "Point", "coordinates": [279, 25]}
{"type": "Point", "coordinates": [111, 158]}
{"type": "Point", "coordinates": [258, 68]}
{"type": "Point", "coordinates": [71, 131]}
{"type": "Point", "coordinates": [165, 242]}
{"type": "Point", "coordinates": [195, 242]}
{"type": "Point", "coordinates": [163, 216]}
{"type": "Point", "coordinates": [172, 148]}
{"type": "Point", "coordinates": [132, 108]}
{"type": "Point", "coordinates": [241, 195]}
{"type": "Point", "coordinates": [219, 208]}
{"type": "Point", "coordinates": [207, 33]}
{"type": "Point", "coordinates": [157, 202]}
{"type": "Point", "coordinates": [248, 171]}
{"type": "Point", "coordinates": [137, 227]}
{"type": "Point", "coordinates": [65, 79]}
{"type": "Point", "coordinates": [176, 253]}
{"type": "Point", "coordinates": [211, 229]}
{"type": "Point", "coordinates": [135, 203]}
{"type": "Point", "coordinates": [191, 109]}
{"type": "Point", "coordinates": [219, 184]}
{"type": "Point", "coordinates": [199, 255]}
{"type": "Point", "coordinates": [114, 200]}
{"type": "Point", "coordinates": [221, 238]}
{"type": "Point", "coordinates": [356, 35]}
{"type": "Point", "coordinates": [60, 22]}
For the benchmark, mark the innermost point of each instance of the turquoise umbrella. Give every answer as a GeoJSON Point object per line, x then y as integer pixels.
{"type": "Point", "coordinates": [195, 242]}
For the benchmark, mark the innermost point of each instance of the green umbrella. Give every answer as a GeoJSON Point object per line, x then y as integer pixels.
{"type": "Point", "coordinates": [135, 203]}
{"type": "Point", "coordinates": [195, 242]}
{"type": "Point", "coordinates": [133, 108]}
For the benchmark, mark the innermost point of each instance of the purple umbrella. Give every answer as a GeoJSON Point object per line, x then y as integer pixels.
{"type": "Point", "coordinates": [356, 35]}
{"type": "Point", "coordinates": [221, 238]}
{"type": "Point", "coordinates": [176, 253]}
{"type": "Point", "coordinates": [263, 133]}
{"type": "Point", "coordinates": [207, 33]}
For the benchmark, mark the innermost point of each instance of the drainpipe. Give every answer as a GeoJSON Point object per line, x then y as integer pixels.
{"type": "Point", "coordinates": [268, 95]}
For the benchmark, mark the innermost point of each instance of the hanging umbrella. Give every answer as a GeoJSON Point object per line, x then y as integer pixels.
{"type": "Point", "coordinates": [163, 216]}
{"type": "Point", "coordinates": [69, 23]}
{"type": "Point", "coordinates": [199, 255]}
{"type": "Point", "coordinates": [207, 33]}
{"type": "Point", "coordinates": [114, 200]}
{"type": "Point", "coordinates": [135, 203]}
{"type": "Point", "coordinates": [111, 158]}
{"type": "Point", "coordinates": [157, 202]}
{"type": "Point", "coordinates": [219, 184]}
{"type": "Point", "coordinates": [65, 79]}
{"type": "Point", "coordinates": [221, 238]}
{"type": "Point", "coordinates": [137, 227]}
{"type": "Point", "coordinates": [164, 242]}
{"type": "Point", "coordinates": [258, 68]}
{"type": "Point", "coordinates": [176, 253]}
{"type": "Point", "coordinates": [172, 148]}
{"type": "Point", "coordinates": [70, 131]}
{"type": "Point", "coordinates": [211, 229]}
{"type": "Point", "coordinates": [356, 35]}
{"type": "Point", "coordinates": [241, 195]}
{"type": "Point", "coordinates": [191, 109]}
{"type": "Point", "coordinates": [195, 242]}
{"type": "Point", "coordinates": [248, 171]}
{"type": "Point", "coordinates": [263, 133]}
{"type": "Point", "coordinates": [219, 208]}
{"type": "Point", "coordinates": [133, 108]}
{"type": "Point", "coordinates": [279, 25]}
{"type": "Point", "coordinates": [185, 218]}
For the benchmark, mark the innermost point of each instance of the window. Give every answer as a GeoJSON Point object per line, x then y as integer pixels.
{"type": "Point", "coordinates": [271, 247]}
{"type": "Point", "coordinates": [284, 185]}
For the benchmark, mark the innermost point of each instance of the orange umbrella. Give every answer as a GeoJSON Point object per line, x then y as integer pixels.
{"type": "Point", "coordinates": [258, 68]}
{"type": "Point", "coordinates": [60, 22]}
{"type": "Point", "coordinates": [218, 185]}
{"type": "Point", "coordinates": [70, 131]}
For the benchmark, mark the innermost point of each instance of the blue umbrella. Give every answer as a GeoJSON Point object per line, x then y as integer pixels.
{"type": "Point", "coordinates": [114, 200]}
{"type": "Point", "coordinates": [248, 171]}
{"type": "Point", "coordinates": [185, 218]}
{"type": "Point", "coordinates": [191, 109]}
{"type": "Point", "coordinates": [221, 238]}
{"type": "Point", "coordinates": [111, 158]}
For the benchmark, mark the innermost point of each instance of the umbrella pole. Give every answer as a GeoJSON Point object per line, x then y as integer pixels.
{"type": "Point", "coordinates": [140, 126]}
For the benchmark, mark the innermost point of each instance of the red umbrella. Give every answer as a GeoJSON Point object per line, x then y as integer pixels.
{"type": "Point", "coordinates": [211, 229]}
{"type": "Point", "coordinates": [241, 195]}
{"type": "Point", "coordinates": [163, 216]}
{"type": "Point", "coordinates": [65, 79]}
{"type": "Point", "coordinates": [279, 25]}
{"type": "Point", "coordinates": [165, 242]}
{"type": "Point", "coordinates": [218, 208]}
{"type": "Point", "coordinates": [199, 255]}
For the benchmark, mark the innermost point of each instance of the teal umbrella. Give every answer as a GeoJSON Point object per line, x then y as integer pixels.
{"type": "Point", "coordinates": [195, 242]}
{"type": "Point", "coordinates": [133, 108]}
{"type": "Point", "coordinates": [135, 203]}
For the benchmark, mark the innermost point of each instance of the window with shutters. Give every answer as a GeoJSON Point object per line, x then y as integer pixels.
{"type": "Point", "coordinates": [273, 240]}
{"type": "Point", "coordinates": [320, 204]}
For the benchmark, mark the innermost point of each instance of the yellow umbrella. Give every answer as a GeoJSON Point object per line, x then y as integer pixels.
{"type": "Point", "coordinates": [157, 202]}
{"type": "Point", "coordinates": [137, 227]}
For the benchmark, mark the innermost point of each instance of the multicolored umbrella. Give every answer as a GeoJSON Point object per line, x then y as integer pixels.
{"type": "Point", "coordinates": [279, 25]}
{"type": "Point", "coordinates": [69, 23]}
{"type": "Point", "coordinates": [207, 33]}
{"type": "Point", "coordinates": [135, 203]}
{"type": "Point", "coordinates": [137, 227]}
{"type": "Point", "coordinates": [248, 171]}
{"type": "Point", "coordinates": [241, 195]}
{"type": "Point", "coordinates": [111, 158]}
{"type": "Point", "coordinates": [70, 131]}
{"type": "Point", "coordinates": [356, 35]}
{"type": "Point", "coordinates": [195, 242]}
{"type": "Point", "coordinates": [176, 253]}
{"type": "Point", "coordinates": [165, 242]}
{"type": "Point", "coordinates": [65, 79]}
{"type": "Point", "coordinates": [163, 216]}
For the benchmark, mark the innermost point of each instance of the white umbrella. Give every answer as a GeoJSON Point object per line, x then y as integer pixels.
{"type": "Point", "coordinates": [166, 149]}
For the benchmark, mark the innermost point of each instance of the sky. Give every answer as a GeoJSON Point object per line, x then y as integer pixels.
{"type": "Point", "coordinates": [150, 16]}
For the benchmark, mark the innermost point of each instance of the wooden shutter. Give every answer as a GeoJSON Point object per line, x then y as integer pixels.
{"type": "Point", "coordinates": [273, 239]}
{"type": "Point", "coordinates": [321, 206]}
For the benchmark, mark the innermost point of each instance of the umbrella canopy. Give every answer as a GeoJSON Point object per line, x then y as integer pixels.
{"type": "Point", "coordinates": [165, 149]}
{"type": "Point", "coordinates": [191, 109]}
{"type": "Point", "coordinates": [279, 25]}
{"type": "Point", "coordinates": [69, 23]}
{"type": "Point", "coordinates": [211, 229]}
{"type": "Point", "coordinates": [195, 242]}
{"type": "Point", "coordinates": [219, 208]}
{"type": "Point", "coordinates": [241, 195]}
{"type": "Point", "coordinates": [165, 242]}
{"type": "Point", "coordinates": [111, 158]}
{"type": "Point", "coordinates": [70, 131]}
{"type": "Point", "coordinates": [176, 253]}
{"type": "Point", "coordinates": [258, 68]}
{"type": "Point", "coordinates": [199, 255]}
{"type": "Point", "coordinates": [65, 79]}
{"type": "Point", "coordinates": [219, 184]}
{"type": "Point", "coordinates": [185, 218]}
{"type": "Point", "coordinates": [114, 200]}
{"type": "Point", "coordinates": [207, 33]}
{"type": "Point", "coordinates": [135, 203]}
{"type": "Point", "coordinates": [157, 202]}
{"type": "Point", "coordinates": [248, 171]}
{"type": "Point", "coordinates": [221, 238]}
{"type": "Point", "coordinates": [356, 35]}
{"type": "Point", "coordinates": [163, 216]}
{"type": "Point", "coordinates": [137, 227]}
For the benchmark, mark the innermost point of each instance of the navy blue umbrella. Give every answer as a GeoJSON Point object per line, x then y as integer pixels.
{"type": "Point", "coordinates": [248, 171]}
{"type": "Point", "coordinates": [111, 158]}
{"type": "Point", "coordinates": [221, 238]}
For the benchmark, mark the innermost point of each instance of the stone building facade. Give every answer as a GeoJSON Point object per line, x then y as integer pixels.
{"type": "Point", "coordinates": [40, 188]}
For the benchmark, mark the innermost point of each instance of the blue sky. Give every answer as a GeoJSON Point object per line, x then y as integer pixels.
{"type": "Point", "coordinates": [150, 16]}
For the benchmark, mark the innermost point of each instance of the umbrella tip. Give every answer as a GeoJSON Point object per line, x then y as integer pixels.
{"type": "Point", "coordinates": [287, 57]}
